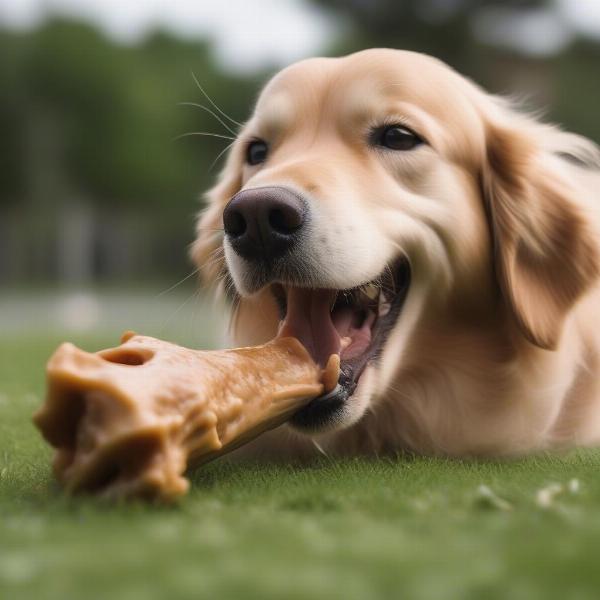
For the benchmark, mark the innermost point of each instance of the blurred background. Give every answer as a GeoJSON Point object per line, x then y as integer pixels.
{"type": "Point", "coordinates": [99, 183]}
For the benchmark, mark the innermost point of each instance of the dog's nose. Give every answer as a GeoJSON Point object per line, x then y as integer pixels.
{"type": "Point", "coordinates": [264, 223]}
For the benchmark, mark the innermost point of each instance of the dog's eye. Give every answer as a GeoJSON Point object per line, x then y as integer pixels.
{"type": "Point", "coordinates": [397, 137]}
{"type": "Point", "coordinates": [256, 152]}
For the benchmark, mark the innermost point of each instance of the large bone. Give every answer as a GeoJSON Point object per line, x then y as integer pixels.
{"type": "Point", "coordinates": [129, 420]}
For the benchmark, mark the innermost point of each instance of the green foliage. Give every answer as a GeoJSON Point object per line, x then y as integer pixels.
{"type": "Point", "coordinates": [12, 118]}
{"type": "Point", "coordinates": [89, 122]}
{"type": "Point", "coordinates": [112, 115]}
{"type": "Point", "coordinates": [577, 94]}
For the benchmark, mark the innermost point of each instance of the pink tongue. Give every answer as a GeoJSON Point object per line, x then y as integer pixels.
{"type": "Point", "coordinates": [308, 318]}
{"type": "Point", "coordinates": [344, 322]}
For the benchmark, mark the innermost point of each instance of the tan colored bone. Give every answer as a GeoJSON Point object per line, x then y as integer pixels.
{"type": "Point", "coordinates": [127, 421]}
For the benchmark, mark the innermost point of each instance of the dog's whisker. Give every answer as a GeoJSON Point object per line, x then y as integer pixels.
{"type": "Point", "coordinates": [178, 310]}
{"type": "Point", "coordinates": [216, 253]}
{"type": "Point", "coordinates": [214, 114]}
{"type": "Point", "coordinates": [194, 272]}
{"type": "Point", "coordinates": [211, 260]}
{"type": "Point", "coordinates": [234, 315]}
{"type": "Point", "coordinates": [208, 264]}
{"type": "Point", "coordinates": [213, 103]}
{"type": "Point", "coordinates": [214, 162]}
{"type": "Point", "coordinates": [204, 134]}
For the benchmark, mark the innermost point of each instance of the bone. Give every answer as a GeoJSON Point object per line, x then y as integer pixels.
{"type": "Point", "coordinates": [128, 421]}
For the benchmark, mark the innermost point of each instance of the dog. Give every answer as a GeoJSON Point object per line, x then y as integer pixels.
{"type": "Point", "coordinates": [445, 243]}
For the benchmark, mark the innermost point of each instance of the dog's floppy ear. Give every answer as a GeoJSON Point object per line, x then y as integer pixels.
{"type": "Point", "coordinates": [546, 258]}
{"type": "Point", "coordinates": [207, 249]}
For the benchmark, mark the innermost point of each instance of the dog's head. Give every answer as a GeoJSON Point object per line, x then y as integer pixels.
{"type": "Point", "coordinates": [373, 196]}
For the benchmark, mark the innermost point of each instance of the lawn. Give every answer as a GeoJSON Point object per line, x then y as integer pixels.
{"type": "Point", "coordinates": [418, 528]}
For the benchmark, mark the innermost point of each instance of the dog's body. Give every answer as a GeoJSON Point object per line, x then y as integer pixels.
{"type": "Point", "coordinates": [391, 158]}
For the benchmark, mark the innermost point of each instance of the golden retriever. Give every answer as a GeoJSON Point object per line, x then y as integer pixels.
{"type": "Point", "coordinates": [384, 206]}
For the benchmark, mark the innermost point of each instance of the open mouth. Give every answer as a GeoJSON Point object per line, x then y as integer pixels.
{"type": "Point", "coordinates": [353, 323]}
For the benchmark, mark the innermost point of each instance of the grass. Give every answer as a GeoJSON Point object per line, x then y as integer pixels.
{"type": "Point", "coordinates": [417, 529]}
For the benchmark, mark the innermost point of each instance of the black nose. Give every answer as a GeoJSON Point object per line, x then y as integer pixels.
{"type": "Point", "coordinates": [264, 223]}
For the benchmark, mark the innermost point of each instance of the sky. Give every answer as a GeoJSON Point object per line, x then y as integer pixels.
{"type": "Point", "coordinates": [253, 33]}
{"type": "Point", "coordinates": [247, 34]}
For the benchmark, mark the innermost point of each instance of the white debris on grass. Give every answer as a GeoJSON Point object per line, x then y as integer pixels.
{"type": "Point", "coordinates": [487, 498]}
{"type": "Point", "coordinates": [545, 496]}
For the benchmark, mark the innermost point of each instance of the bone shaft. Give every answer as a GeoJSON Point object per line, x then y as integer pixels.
{"type": "Point", "coordinates": [127, 421]}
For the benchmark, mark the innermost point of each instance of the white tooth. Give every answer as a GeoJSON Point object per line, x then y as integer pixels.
{"type": "Point", "coordinates": [371, 291]}
{"type": "Point", "coordinates": [331, 373]}
{"type": "Point", "coordinates": [345, 342]}
{"type": "Point", "coordinates": [384, 306]}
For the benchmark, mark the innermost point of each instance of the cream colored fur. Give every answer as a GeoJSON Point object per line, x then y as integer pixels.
{"type": "Point", "coordinates": [496, 351]}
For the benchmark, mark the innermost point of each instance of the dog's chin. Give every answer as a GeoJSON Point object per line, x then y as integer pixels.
{"type": "Point", "coordinates": [354, 323]}
{"type": "Point", "coordinates": [339, 409]}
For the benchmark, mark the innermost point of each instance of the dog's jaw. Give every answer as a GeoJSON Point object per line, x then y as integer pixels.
{"type": "Point", "coordinates": [354, 323]}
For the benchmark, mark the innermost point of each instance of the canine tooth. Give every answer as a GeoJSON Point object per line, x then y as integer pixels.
{"type": "Point", "coordinates": [371, 291]}
{"type": "Point", "coordinates": [345, 342]}
{"type": "Point", "coordinates": [384, 306]}
{"type": "Point", "coordinates": [331, 373]}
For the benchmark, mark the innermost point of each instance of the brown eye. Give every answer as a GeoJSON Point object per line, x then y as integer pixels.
{"type": "Point", "coordinates": [397, 137]}
{"type": "Point", "coordinates": [256, 152]}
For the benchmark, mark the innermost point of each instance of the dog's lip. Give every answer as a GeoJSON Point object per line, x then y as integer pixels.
{"type": "Point", "coordinates": [325, 329]}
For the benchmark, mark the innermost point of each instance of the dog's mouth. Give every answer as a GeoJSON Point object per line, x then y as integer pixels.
{"type": "Point", "coordinates": [353, 323]}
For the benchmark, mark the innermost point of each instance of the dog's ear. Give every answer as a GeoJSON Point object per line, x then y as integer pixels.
{"type": "Point", "coordinates": [207, 249]}
{"type": "Point", "coordinates": [546, 258]}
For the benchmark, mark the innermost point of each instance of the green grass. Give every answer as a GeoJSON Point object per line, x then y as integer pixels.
{"type": "Point", "coordinates": [338, 529]}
